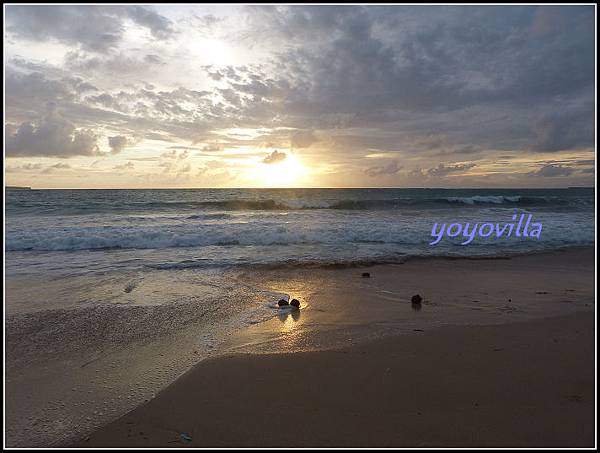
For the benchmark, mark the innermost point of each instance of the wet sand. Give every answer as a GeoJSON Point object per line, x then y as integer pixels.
{"type": "Point", "coordinates": [500, 354]}
{"type": "Point", "coordinates": [522, 384]}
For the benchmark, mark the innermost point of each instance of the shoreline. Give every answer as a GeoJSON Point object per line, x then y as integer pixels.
{"type": "Point", "coordinates": [359, 264]}
{"type": "Point", "coordinates": [385, 393]}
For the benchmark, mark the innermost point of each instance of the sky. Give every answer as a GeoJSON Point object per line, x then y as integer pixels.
{"type": "Point", "coordinates": [299, 96]}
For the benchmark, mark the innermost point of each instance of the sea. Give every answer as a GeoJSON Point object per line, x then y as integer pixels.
{"type": "Point", "coordinates": [82, 231]}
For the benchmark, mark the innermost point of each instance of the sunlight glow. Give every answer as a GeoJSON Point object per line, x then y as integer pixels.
{"type": "Point", "coordinates": [212, 51]}
{"type": "Point", "coordinates": [290, 172]}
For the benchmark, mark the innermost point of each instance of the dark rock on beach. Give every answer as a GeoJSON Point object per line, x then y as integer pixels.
{"type": "Point", "coordinates": [366, 274]}
{"type": "Point", "coordinates": [416, 299]}
{"type": "Point", "coordinates": [282, 302]}
{"type": "Point", "coordinates": [295, 303]}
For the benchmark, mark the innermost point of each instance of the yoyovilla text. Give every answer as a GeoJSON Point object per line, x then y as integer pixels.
{"type": "Point", "coordinates": [522, 228]}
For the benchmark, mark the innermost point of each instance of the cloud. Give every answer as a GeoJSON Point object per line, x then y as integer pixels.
{"type": "Point", "coordinates": [61, 166]}
{"type": "Point", "coordinates": [174, 154]}
{"type": "Point", "coordinates": [57, 166]}
{"type": "Point", "coordinates": [94, 28]}
{"type": "Point", "coordinates": [212, 148]}
{"type": "Point", "coordinates": [37, 167]}
{"type": "Point", "coordinates": [394, 76]}
{"type": "Point", "coordinates": [474, 72]}
{"type": "Point", "coordinates": [159, 26]}
{"type": "Point", "coordinates": [443, 170]}
{"type": "Point", "coordinates": [24, 167]}
{"type": "Point", "coordinates": [117, 143]}
{"type": "Point", "coordinates": [551, 171]}
{"type": "Point", "coordinates": [175, 162]}
{"type": "Point", "coordinates": [52, 136]}
{"type": "Point", "coordinates": [121, 63]}
{"type": "Point", "coordinates": [34, 90]}
{"type": "Point", "coordinates": [126, 166]}
{"type": "Point", "coordinates": [90, 27]}
{"type": "Point", "coordinates": [414, 84]}
{"type": "Point", "coordinates": [564, 130]}
{"type": "Point", "coordinates": [274, 157]}
{"type": "Point", "coordinates": [390, 169]}
{"type": "Point", "coordinates": [466, 149]}
{"type": "Point", "coordinates": [303, 139]}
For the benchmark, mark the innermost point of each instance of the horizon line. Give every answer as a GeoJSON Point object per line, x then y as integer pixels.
{"type": "Point", "coordinates": [9, 187]}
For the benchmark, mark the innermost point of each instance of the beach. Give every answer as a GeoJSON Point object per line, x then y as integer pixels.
{"type": "Point", "coordinates": [501, 353]}
{"type": "Point", "coordinates": [528, 384]}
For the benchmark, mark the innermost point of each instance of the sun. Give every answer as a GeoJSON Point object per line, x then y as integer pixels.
{"type": "Point", "coordinates": [289, 172]}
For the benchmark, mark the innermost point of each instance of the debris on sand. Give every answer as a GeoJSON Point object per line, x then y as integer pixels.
{"type": "Point", "coordinates": [185, 437]}
{"type": "Point", "coordinates": [416, 299]}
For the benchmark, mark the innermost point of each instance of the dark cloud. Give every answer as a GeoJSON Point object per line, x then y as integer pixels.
{"type": "Point", "coordinates": [51, 136]}
{"type": "Point", "coordinates": [483, 75]}
{"type": "Point", "coordinates": [274, 157]}
{"type": "Point", "coordinates": [159, 26]}
{"type": "Point", "coordinates": [93, 28]}
{"type": "Point", "coordinates": [117, 143]}
{"type": "Point", "coordinates": [90, 27]}
{"type": "Point", "coordinates": [564, 130]}
{"type": "Point", "coordinates": [34, 91]}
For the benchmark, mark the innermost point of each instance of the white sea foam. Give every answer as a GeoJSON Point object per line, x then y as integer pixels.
{"type": "Point", "coordinates": [361, 234]}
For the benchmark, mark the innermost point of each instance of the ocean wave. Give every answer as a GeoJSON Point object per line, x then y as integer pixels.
{"type": "Point", "coordinates": [165, 240]}
{"type": "Point", "coordinates": [349, 239]}
{"type": "Point", "coordinates": [220, 216]}
{"type": "Point", "coordinates": [209, 204]}
{"type": "Point", "coordinates": [221, 209]}
{"type": "Point", "coordinates": [161, 238]}
{"type": "Point", "coordinates": [381, 204]}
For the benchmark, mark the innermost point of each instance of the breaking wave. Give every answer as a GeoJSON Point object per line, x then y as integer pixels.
{"type": "Point", "coordinates": [367, 204]}
{"type": "Point", "coordinates": [218, 205]}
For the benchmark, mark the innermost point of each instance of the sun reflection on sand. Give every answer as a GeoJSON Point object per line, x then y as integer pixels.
{"type": "Point", "coordinates": [289, 319]}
